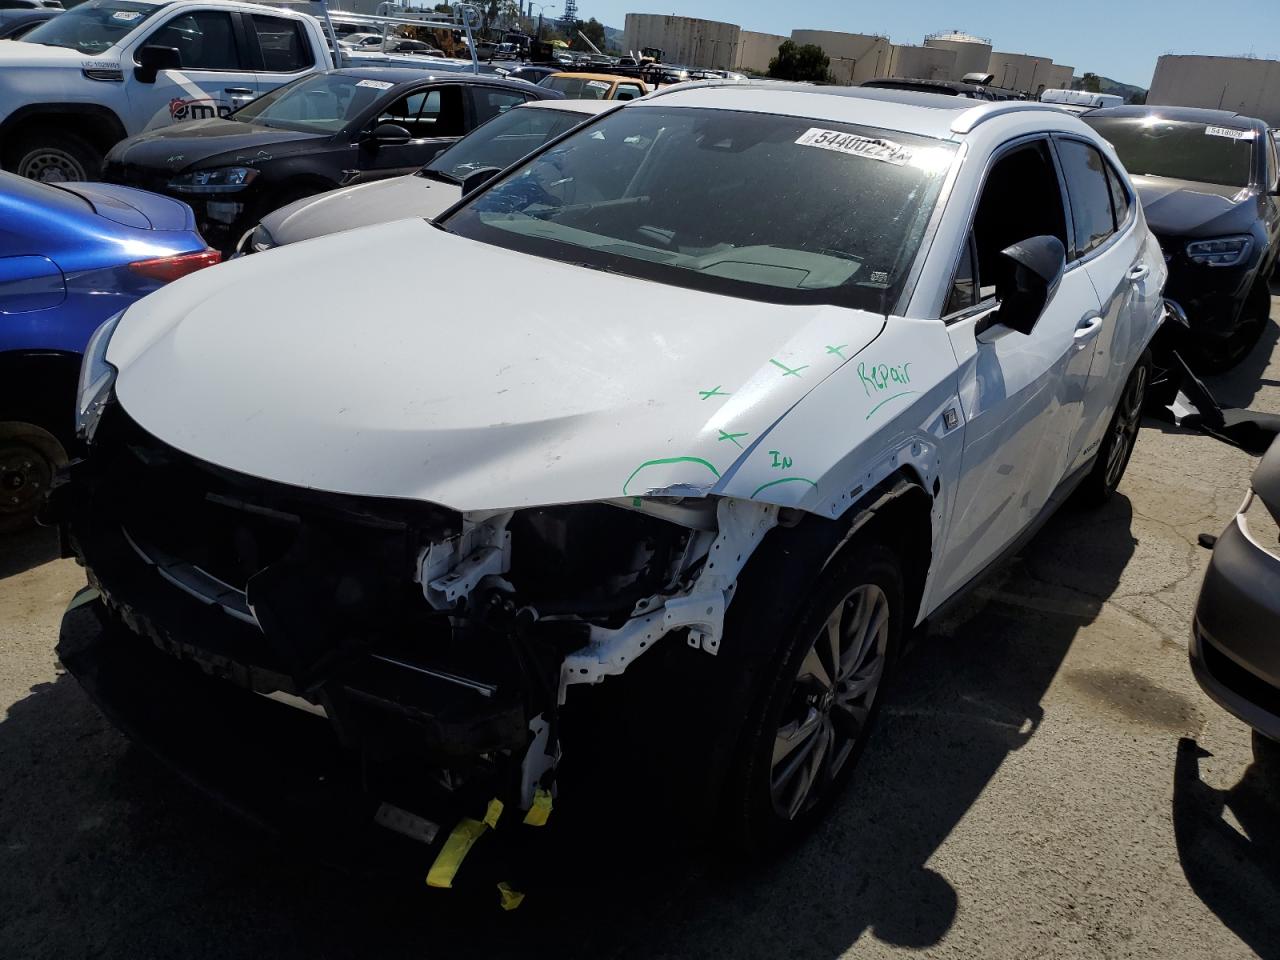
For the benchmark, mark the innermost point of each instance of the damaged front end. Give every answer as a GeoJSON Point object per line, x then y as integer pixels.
{"type": "Point", "coordinates": [424, 653]}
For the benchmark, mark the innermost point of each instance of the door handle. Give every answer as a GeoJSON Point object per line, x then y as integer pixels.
{"type": "Point", "coordinates": [1139, 273]}
{"type": "Point", "coordinates": [1087, 329]}
{"type": "Point", "coordinates": [246, 91]}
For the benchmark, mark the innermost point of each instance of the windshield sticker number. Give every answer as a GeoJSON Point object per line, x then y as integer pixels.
{"type": "Point", "coordinates": [598, 84]}
{"type": "Point", "coordinates": [1228, 133]}
{"type": "Point", "coordinates": [375, 84]}
{"type": "Point", "coordinates": [855, 146]}
{"type": "Point", "coordinates": [126, 16]}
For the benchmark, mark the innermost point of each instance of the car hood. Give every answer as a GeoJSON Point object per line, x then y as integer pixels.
{"type": "Point", "coordinates": [20, 53]}
{"type": "Point", "coordinates": [1186, 208]}
{"type": "Point", "coordinates": [362, 205]}
{"type": "Point", "coordinates": [134, 208]}
{"type": "Point", "coordinates": [197, 143]}
{"type": "Point", "coordinates": [401, 361]}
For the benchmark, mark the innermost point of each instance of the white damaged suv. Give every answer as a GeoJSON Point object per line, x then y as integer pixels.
{"type": "Point", "coordinates": [652, 451]}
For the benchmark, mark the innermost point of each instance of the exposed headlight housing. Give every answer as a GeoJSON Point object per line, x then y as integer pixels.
{"type": "Point", "coordinates": [1223, 252]}
{"type": "Point", "coordinates": [97, 377]}
{"type": "Point", "coordinates": [220, 180]}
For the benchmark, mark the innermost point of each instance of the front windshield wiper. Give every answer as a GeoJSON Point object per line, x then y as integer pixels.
{"type": "Point", "coordinates": [440, 175]}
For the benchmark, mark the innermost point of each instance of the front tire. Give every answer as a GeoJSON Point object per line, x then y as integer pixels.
{"type": "Point", "coordinates": [803, 736]}
{"type": "Point", "coordinates": [1254, 316]}
{"type": "Point", "coordinates": [29, 458]}
{"type": "Point", "coordinates": [53, 156]}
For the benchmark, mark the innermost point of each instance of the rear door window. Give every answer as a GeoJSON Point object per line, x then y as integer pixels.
{"type": "Point", "coordinates": [282, 43]}
{"type": "Point", "coordinates": [1086, 174]}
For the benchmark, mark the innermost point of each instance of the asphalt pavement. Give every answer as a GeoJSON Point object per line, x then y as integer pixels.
{"type": "Point", "coordinates": [1047, 780]}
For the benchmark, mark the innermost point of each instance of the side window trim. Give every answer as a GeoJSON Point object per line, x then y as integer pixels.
{"type": "Point", "coordinates": [971, 214]}
{"type": "Point", "coordinates": [1074, 256]}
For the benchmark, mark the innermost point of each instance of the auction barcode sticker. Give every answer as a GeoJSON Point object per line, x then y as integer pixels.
{"type": "Point", "coordinates": [1229, 133]}
{"type": "Point", "coordinates": [376, 84]}
{"type": "Point", "coordinates": [598, 84]}
{"type": "Point", "coordinates": [854, 145]}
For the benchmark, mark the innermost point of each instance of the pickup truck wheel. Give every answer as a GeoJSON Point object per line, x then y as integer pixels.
{"type": "Point", "coordinates": [1122, 433]}
{"type": "Point", "coordinates": [52, 156]}
{"type": "Point", "coordinates": [804, 736]}
{"type": "Point", "coordinates": [29, 457]}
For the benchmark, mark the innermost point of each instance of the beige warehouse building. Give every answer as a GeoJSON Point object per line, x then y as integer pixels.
{"type": "Point", "coordinates": [921, 63]}
{"type": "Point", "coordinates": [1250, 87]}
{"type": "Point", "coordinates": [1060, 77]}
{"type": "Point", "coordinates": [684, 40]}
{"type": "Point", "coordinates": [1020, 71]}
{"type": "Point", "coordinates": [854, 56]}
{"type": "Point", "coordinates": [755, 50]}
{"type": "Point", "coordinates": [973, 54]}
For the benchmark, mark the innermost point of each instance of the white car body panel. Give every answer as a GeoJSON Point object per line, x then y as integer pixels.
{"type": "Point", "coordinates": [523, 407]}
{"type": "Point", "coordinates": [362, 204]}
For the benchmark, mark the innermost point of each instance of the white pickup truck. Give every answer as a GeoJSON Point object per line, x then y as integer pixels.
{"type": "Point", "coordinates": [107, 69]}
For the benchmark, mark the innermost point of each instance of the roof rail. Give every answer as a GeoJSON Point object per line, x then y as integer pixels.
{"type": "Point", "coordinates": [967, 120]}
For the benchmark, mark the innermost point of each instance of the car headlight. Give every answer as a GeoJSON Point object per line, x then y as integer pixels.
{"type": "Point", "coordinates": [220, 180]}
{"type": "Point", "coordinates": [1223, 252]}
{"type": "Point", "coordinates": [97, 377]}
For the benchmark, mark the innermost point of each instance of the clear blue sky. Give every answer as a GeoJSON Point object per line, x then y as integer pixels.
{"type": "Point", "coordinates": [1120, 39]}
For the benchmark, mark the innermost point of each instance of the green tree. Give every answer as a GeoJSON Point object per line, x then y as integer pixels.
{"type": "Point", "coordinates": [801, 62]}
{"type": "Point", "coordinates": [1091, 83]}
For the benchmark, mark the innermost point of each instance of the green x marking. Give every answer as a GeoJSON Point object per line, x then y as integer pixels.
{"type": "Point", "coordinates": [788, 371]}
{"type": "Point", "coordinates": [731, 436]}
{"type": "Point", "coordinates": [713, 392]}
{"type": "Point", "coordinates": [836, 350]}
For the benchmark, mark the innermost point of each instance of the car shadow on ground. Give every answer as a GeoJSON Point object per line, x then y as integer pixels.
{"type": "Point", "coordinates": [21, 550]}
{"type": "Point", "coordinates": [105, 854]}
{"type": "Point", "coordinates": [1229, 842]}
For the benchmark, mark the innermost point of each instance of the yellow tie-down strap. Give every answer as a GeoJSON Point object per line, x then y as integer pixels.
{"type": "Point", "coordinates": [459, 844]}
{"type": "Point", "coordinates": [540, 812]}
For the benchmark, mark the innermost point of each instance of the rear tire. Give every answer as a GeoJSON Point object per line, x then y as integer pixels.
{"type": "Point", "coordinates": [53, 156]}
{"type": "Point", "coordinates": [1121, 436]}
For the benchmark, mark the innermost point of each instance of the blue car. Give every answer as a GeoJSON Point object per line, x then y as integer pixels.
{"type": "Point", "coordinates": [71, 255]}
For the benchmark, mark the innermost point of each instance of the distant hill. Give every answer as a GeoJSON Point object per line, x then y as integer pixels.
{"type": "Point", "coordinates": [613, 37]}
{"type": "Point", "coordinates": [1126, 90]}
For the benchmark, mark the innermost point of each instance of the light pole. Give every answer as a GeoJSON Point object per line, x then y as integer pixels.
{"type": "Point", "coordinates": [541, 7]}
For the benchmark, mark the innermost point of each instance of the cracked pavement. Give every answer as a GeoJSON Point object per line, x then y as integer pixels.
{"type": "Point", "coordinates": [1047, 780]}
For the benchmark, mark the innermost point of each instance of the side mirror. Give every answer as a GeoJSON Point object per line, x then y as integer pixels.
{"type": "Point", "coordinates": [389, 134]}
{"type": "Point", "coordinates": [1039, 265]}
{"type": "Point", "coordinates": [151, 60]}
{"type": "Point", "coordinates": [478, 178]}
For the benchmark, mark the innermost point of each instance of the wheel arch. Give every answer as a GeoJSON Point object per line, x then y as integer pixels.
{"type": "Point", "coordinates": [100, 125]}
{"type": "Point", "coordinates": [38, 387]}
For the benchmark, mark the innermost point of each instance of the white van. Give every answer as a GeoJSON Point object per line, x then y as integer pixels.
{"type": "Point", "coordinates": [1078, 101]}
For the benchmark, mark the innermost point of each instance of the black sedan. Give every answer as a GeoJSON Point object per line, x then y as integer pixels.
{"type": "Point", "coordinates": [1235, 642]}
{"type": "Point", "coordinates": [1208, 181]}
{"type": "Point", "coordinates": [322, 131]}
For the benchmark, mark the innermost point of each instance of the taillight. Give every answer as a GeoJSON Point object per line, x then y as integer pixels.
{"type": "Point", "coordinates": [166, 269]}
